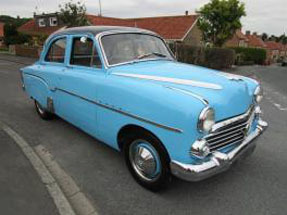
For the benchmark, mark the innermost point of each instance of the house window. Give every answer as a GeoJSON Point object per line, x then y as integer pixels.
{"type": "Point", "coordinates": [53, 21]}
{"type": "Point", "coordinates": [42, 22]}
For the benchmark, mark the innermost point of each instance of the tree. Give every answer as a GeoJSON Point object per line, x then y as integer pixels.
{"type": "Point", "coordinates": [273, 38]}
{"type": "Point", "coordinates": [12, 36]}
{"type": "Point", "coordinates": [264, 37]}
{"type": "Point", "coordinates": [73, 14]}
{"type": "Point", "coordinates": [283, 39]}
{"type": "Point", "coordinates": [220, 19]}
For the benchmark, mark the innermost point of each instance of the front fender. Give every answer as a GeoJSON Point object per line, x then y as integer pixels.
{"type": "Point", "coordinates": [153, 102]}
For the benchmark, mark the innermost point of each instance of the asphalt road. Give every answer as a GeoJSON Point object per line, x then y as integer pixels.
{"type": "Point", "coordinates": [257, 185]}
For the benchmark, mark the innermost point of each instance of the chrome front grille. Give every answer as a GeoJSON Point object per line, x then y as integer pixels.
{"type": "Point", "coordinates": [230, 131]}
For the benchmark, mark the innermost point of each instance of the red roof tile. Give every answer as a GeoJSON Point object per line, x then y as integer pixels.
{"type": "Point", "coordinates": [2, 29]}
{"type": "Point", "coordinates": [240, 35]}
{"type": "Point", "coordinates": [110, 21]}
{"type": "Point", "coordinates": [274, 45]}
{"type": "Point", "coordinates": [169, 27]}
{"type": "Point", "coordinates": [31, 28]}
{"type": "Point", "coordinates": [255, 41]}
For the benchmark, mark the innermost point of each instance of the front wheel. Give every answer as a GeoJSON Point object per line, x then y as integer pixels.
{"type": "Point", "coordinates": [42, 112]}
{"type": "Point", "coordinates": [147, 160]}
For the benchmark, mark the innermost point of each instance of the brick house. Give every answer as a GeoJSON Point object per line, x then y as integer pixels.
{"type": "Point", "coordinates": [274, 50]}
{"type": "Point", "coordinates": [1, 34]}
{"type": "Point", "coordinates": [41, 26]}
{"type": "Point", "coordinates": [283, 51]}
{"type": "Point", "coordinates": [238, 40]}
{"type": "Point", "coordinates": [179, 29]}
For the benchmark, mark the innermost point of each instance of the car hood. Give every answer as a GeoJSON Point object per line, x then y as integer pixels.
{"type": "Point", "coordinates": [228, 94]}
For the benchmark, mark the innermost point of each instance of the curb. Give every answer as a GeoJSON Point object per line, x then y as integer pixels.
{"type": "Point", "coordinates": [80, 203]}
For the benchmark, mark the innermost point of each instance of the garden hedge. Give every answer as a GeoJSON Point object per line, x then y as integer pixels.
{"type": "Point", "coordinates": [215, 58]}
{"type": "Point", "coordinates": [250, 55]}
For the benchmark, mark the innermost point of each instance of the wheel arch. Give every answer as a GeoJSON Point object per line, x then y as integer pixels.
{"type": "Point", "coordinates": [125, 130]}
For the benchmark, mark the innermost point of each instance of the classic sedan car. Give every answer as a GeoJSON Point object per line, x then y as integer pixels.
{"type": "Point", "coordinates": [124, 87]}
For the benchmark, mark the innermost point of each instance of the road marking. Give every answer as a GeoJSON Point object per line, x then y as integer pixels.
{"type": "Point", "coordinates": [272, 95]}
{"type": "Point", "coordinates": [51, 184]}
{"type": "Point", "coordinates": [79, 201]}
{"type": "Point", "coordinates": [280, 107]}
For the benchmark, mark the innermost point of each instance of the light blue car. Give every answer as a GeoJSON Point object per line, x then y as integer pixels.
{"type": "Point", "coordinates": [124, 87]}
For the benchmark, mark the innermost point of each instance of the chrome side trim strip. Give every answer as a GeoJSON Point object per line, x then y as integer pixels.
{"type": "Point", "coordinates": [36, 76]}
{"type": "Point", "coordinates": [203, 100]}
{"type": "Point", "coordinates": [109, 107]}
{"type": "Point", "coordinates": [172, 80]}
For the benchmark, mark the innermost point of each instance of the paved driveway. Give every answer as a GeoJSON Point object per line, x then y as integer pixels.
{"type": "Point", "coordinates": [257, 185]}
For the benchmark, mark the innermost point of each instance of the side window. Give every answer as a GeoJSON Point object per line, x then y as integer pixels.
{"type": "Point", "coordinates": [56, 52]}
{"type": "Point", "coordinates": [84, 53]}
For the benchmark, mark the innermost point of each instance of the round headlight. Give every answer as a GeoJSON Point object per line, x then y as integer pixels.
{"type": "Point", "coordinates": [258, 94]}
{"type": "Point", "coordinates": [206, 120]}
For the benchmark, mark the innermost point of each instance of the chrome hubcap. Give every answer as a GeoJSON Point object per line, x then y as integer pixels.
{"type": "Point", "coordinates": [145, 160]}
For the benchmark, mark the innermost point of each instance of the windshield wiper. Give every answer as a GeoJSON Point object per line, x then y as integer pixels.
{"type": "Point", "coordinates": [149, 54]}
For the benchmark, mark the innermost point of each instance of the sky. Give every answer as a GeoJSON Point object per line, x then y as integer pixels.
{"type": "Point", "coordinates": [268, 16]}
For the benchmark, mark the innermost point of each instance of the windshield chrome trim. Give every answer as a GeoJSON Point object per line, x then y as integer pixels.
{"type": "Point", "coordinates": [112, 32]}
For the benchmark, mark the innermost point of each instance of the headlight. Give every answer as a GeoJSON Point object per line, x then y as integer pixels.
{"type": "Point", "coordinates": [258, 94]}
{"type": "Point", "coordinates": [206, 120]}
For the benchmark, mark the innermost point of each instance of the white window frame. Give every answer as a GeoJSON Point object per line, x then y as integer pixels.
{"type": "Point", "coordinates": [52, 20]}
{"type": "Point", "coordinates": [41, 22]}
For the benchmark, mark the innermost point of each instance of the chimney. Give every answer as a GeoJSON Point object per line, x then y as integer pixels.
{"type": "Point", "coordinates": [186, 12]}
{"type": "Point", "coordinates": [255, 34]}
{"type": "Point", "coordinates": [248, 33]}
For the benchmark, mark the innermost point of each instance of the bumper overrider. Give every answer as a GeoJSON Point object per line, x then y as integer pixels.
{"type": "Point", "coordinates": [218, 161]}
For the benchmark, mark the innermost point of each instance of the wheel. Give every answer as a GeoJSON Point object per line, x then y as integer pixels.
{"type": "Point", "coordinates": [42, 112]}
{"type": "Point", "coordinates": [147, 161]}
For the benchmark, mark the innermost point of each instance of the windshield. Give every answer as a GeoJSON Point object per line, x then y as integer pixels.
{"type": "Point", "coordinates": [131, 47]}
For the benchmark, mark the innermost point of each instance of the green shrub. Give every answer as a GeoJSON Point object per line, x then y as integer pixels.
{"type": "Point", "coordinates": [219, 58]}
{"type": "Point", "coordinates": [215, 58]}
{"type": "Point", "coordinates": [4, 49]}
{"type": "Point", "coordinates": [249, 55]}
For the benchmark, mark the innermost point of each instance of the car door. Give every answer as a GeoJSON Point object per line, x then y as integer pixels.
{"type": "Point", "coordinates": [77, 83]}
{"type": "Point", "coordinates": [51, 64]}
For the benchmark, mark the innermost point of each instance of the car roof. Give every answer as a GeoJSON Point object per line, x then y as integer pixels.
{"type": "Point", "coordinates": [95, 30]}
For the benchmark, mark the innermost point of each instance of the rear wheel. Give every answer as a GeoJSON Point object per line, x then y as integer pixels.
{"type": "Point", "coordinates": [42, 112]}
{"type": "Point", "coordinates": [147, 160]}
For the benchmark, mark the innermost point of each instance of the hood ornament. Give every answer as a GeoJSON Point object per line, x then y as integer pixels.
{"type": "Point", "coordinates": [231, 77]}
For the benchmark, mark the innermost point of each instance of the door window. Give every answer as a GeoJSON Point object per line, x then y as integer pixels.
{"type": "Point", "coordinates": [56, 52]}
{"type": "Point", "coordinates": [84, 53]}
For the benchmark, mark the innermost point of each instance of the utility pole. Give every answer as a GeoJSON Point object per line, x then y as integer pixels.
{"type": "Point", "coordinates": [100, 5]}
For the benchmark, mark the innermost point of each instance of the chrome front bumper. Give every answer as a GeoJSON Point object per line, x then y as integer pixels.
{"type": "Point", "coordinates": [218, 161]}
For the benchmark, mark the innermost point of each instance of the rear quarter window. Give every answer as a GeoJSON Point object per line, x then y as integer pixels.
{"type": "Point", "coordinates": [57, 51]}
